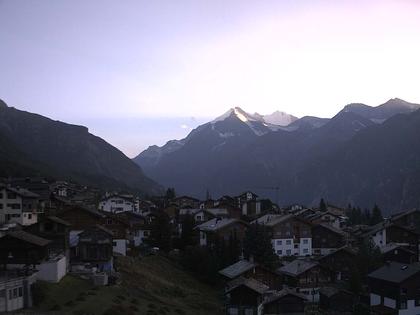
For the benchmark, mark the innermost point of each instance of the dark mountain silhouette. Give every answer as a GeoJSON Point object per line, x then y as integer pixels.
{"type": "Point", "coordinates": [318, 158]}
{"type": "Point", "coordinates": [31, 144]}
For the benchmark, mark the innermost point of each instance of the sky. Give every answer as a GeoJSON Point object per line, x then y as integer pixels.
{"type": "Point", "coordinates": [139, 73]}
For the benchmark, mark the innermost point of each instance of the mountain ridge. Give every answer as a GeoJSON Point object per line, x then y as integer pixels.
{"type": "Point", "coordinates": [54, 148]}
{"type": "Point", "coordinates": [286, 157]}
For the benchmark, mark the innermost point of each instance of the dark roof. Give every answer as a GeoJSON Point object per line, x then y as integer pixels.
{"type": "Point", "coordinates": [237, 269]}
{"type": "Point", "coordinates": [250, 283]}
{"type": "Point", "coordinates": [22, 192]}
{"type": "Point", "coordinates": [395, 272]}
{"type": "Point", "coordinates": [384, 225]}
{"type": "Point", "coordinates": [283, 293]}
{"type": "Point", "coordinates": [331, 291]}
{"type": "Point", "coordinates": [58, 220]}
{"type": "Point", "coordinates": [391, 246]}
{"type": "Point", "coordinates": [297, 267]}
{"type": "Point", "coordinates": [397, 216]}
{"type": "Point", "coordinates": [344, 248]}
{"type": "Point", "coordinates": [332, 229]}
{"type": "Point", "coordinates": [28, 237]}
{"type": "Point", "coordinates": [217, 224]}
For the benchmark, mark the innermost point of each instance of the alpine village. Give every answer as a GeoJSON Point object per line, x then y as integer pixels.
{"type": "Point", "coordinates": [67, 247]}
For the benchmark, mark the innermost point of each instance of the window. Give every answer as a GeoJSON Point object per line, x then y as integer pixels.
{"type": "Point", "coordinates": [1, 206]}
{"type": "Point", "coordinates": [288, 252]}
{"type": "Point", "coordinates": [114, 243]}
{"type": "Point", "coordinates": [1, 195]}
{"type": "Point", "coordinates": [288, 242]}
{"type": "Point", "coordinates": [296, 246]}
{"type": "Point", "coordinates": [29, 216]}
{"type": "Point", "coordinates": [305, 241]}
{"type": "Point", "coordinates": [403, 291]}
{"type": "Point", "coordinates": [279, 242]}
{"type": "Point", "coordinates": [15, 293]}
{"type": "Point", "coordinates": [279, 252]}
{"type": "Point", "coordinates": [108, 221]}
{"type": "Point", "coordinates": [20, 292]}
{"type": "Point", "coordinates": [305, 251]}
{"type": "Point", "coordinates": [11, 196]}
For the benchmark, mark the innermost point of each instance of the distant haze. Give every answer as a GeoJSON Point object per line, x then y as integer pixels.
{"type": "Point", "coordinates": [139, 73]}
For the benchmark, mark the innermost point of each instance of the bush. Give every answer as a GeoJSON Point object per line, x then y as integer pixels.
{"type": "Point", "coordinates": [38, 293]}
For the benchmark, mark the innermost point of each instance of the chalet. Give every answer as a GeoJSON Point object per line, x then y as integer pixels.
{"type": "Point", "coordinates": [291, 236]}
{"type": "Point", "coordinates": [16, 289]}
{"type": "Point", "coordinates": [337, 263]}
{"type": "Point", "coordinates": [20, 249]}
{"type": "Point", "coordinates": [286, 301]}
{"type": "Point", "coordinates": [326, 239]}
{"type": "Point", "coordinates": [385, 232]}
{"type": "Point", "coordinates": [244, 198]}
{"type": "Point", "coordinates": [56, 230]}
{"type": "Point", "coordinates": [203, 214]}
{"type": "Point", "coordinates": [306, 276]}
{"type": "Point", "coordinates": [328, 218]}
{"type": "Point", "coordinates": [82, 218]}
{"type": "Point", "coordinates": [336, 300]}
{"type": "Point", "coordinates": [138, 228]}
{"type": "Point", "coordinates": [395, 287]}
{"type": "Point", "coordinates": [409, 219]}
{"type": "Point", "coordinates": [92, 246]}
{"type": "Point", "coordinates": [248, 269]}
{"type": "Point", "coordinates": [18, 205]}
{"type": "Point", "coordinates": [398, 253]}
{"type": "Point", "coordinates": [186, 202]}
{"type": "Point", "coordinates": [117, 203]}
{"type": "Point", "coordinates": [222, 229]}
{"type": "Point", "coordinates": [251, 208]}
{"type": "Point", "coordinates": [245, 296]}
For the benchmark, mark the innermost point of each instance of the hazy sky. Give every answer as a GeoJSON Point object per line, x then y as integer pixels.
{"type": "Point", "coordinates": [139, 73]}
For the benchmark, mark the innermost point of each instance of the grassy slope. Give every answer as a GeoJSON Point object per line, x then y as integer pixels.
{"type": "Point", "coordinates": [153, 285]}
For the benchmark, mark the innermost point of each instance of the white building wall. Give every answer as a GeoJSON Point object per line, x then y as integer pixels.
{"type": "Point", "coordinates": [412, 309]}
{"type": "Point", "coordinates": [286, 247]}
{"type": "Point", "coordinates": [379, 239]}
{"type": "Point", "coordinates": [203, 239]}
{"type": "Point", "coordinates": [119, 246]}
{"type": "Point", "coordinates": [390, 302]}
{"type": "Point", "coordinates": [29, 218]}
{"type": "Point", "coordinates": [52, 271]}
{"type": "Point", "coordinates": [375, 299]}
{"type": "Point", "coordinates": [116, 205]}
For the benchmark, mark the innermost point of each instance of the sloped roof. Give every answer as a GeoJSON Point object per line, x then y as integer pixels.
{"type": "Point", "coordinates": [344, 248]}
{"type": "Point", "coordinates": [250, 283]}
{"type": "Point", "coordinates": [58, 220]}
{"type": "Point", "coordinates": [395, 272]}
{"type": "Point", "coordinates": [297, 267]}
{"type": "Point", "coordinates": [331, 291]}
{"type": "Point", "coordinates": [283, 293]}
{"type": "Point", "coordinates": [237, 269]}
{"type": "Point", "coordinates": [332, 229]}
{"type": "Point", "coordinates": [217, 224]}
{"type": "Point", "coordinates": [28, 237]}
{"type": "Point", "coordinates": [266, 218]}
{"type": "Point", "coordinates": [22, 192]}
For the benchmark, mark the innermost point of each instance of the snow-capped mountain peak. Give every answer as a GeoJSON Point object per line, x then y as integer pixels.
{"type": "Point", "coordinates": [279, 118]}
{"type": "Point", "coordinates": [238, 112]}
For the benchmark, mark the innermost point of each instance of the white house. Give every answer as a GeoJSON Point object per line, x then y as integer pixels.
{"type": "Point", "coordinates": [116, 203]}
{"type": "Point", "coordinates": [15, 290]}
{"type": "Point", "coordinates": [18, 205]}
{"type": "Point", "coordinates": [395, 286]}
{"type": "Point", "coordinates": [291, 236]}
